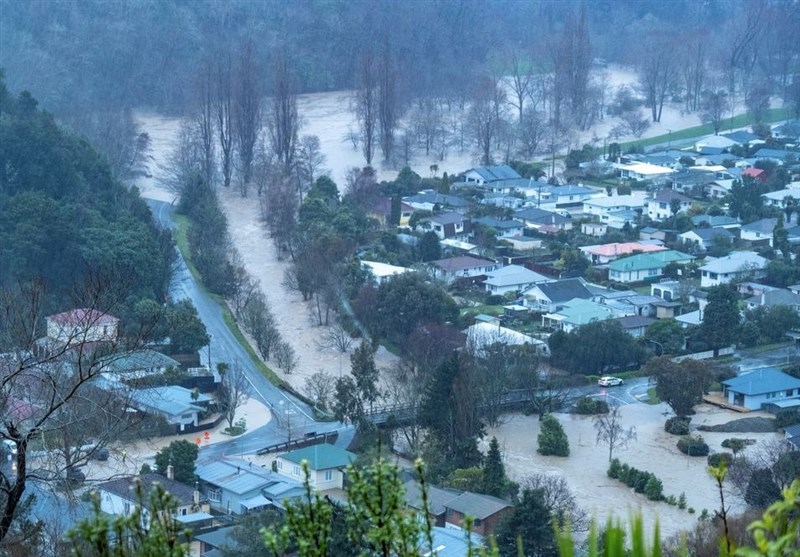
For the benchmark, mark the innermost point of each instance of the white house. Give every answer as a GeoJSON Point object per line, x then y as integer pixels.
{"type": "Point", "coordinates": [738, 265]}
{"type": "Point", "coordinates": [118, 497]}
{"type": "Point", "coordinates": [642, 171]}
{"type": "Point", "coordinates": [661, 205]}
{"type": "Point", "coordinates": [326, 465]}
{"type": "Point", "coordinates": [603, 205]}
{"type": "Point", "coordinates": [550, 296]}
{"type": "Point", "coordinates": [487, 174]}
{"type": "Point", "coordinates": [759, 231]}
{"type": "Point", "coordinates": [82, 325]}
{"type": "Point", "coordinates": [703, 239]}
{"type": "Point", "coordinates": [179, 406]}
{"type": "Point", "coordinates": [446, 225]}
{"type": "Point", "coordinates": [778, 198]}
{"type": "Point", "coordinates": [464, 266]}
{"type": "Point", "coordinates": [381, 272]}
{"type": "Point", "coordinates": [481, 335]}
{"type": "Point", "coordinates": [761, 387]}
{"type": "Point", "coordinates": [512, 278]}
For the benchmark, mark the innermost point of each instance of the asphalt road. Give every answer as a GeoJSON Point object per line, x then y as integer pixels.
{"type": "Point", "coordinates": [293, 415]}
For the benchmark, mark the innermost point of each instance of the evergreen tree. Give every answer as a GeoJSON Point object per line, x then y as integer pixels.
{"type": "Point", "coordinates": [182, 455]}
{"type": "Point", "coordinates": [552, 439]}
{"type": "Point", "coordinates": [531, 523]}
{"type": "Point", "coordinates": [720, 325]}
{"type": "Point", "coordinates": [494, 481]}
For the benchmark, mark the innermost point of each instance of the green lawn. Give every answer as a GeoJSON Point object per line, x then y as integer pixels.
{"type": "Point", "coordinates": [652, 397]}
{"type": "Point", "coordinates": [488, 310]}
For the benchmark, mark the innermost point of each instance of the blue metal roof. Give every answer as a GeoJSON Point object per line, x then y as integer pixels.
{"type": "Point", "coordinates": [762, 381]}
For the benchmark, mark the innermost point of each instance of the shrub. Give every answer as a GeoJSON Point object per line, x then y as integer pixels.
{"type": "Point", "coordinates": [552, 439]}
{"type": "Point", "coordinates": [614, 469]}
{"type": "Point", "coordinates": [641, 481]}
{"type": "Point", "coordinates": [677, 425]}
{"type": "Point", "coordinates": [718, 458]}
{"type": "Point", "coordinates": [784, 419]}
{"type": "Point", "coordinates": [693, 445]}
{"type": "Point", "coordinates": [682, 501]}
{"type": "Point", "coordinates": [735, 444]}
{"type": "Point", "coordinates": [654, 489]}
{"type": "Point", "coordinates": [587, 405]}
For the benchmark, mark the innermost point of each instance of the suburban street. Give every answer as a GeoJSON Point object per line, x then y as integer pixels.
{"type": "Point", "coordinates": [225, 348]}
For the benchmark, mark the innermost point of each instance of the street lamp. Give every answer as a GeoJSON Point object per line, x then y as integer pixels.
{"type": "Point", "coordinates": [210, 337]}
{"type": "Point", "coordinates": [669, 140]}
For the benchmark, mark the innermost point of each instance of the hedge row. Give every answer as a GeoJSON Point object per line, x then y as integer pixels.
{"type": "Point", "coordinates": [640, 480]}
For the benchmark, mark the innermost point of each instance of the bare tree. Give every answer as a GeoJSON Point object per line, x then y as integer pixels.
{"type": "Point", "coordinates": [693, 64]}
{"type": "Point", "coordinates": [531, 131]}
{"type": "Point", "coordinates": [634, 122]}
{"type": "Point", "coordinates": [406, 387]}
{"type": "Point", "coordinates": [205, 120]}
{"type": "Point", "coordinates": [283, 122]}
{"type": "Point", "coordinates": [319, 388]}
{"type": "Point", "coordinates": [52, 380]}
{"type": "Point", "coordinates": [572, 59]}
{"type": "Point", "coordinates": [484, 117]}
{"type": "Point", "coordinates": [339, 338]}
{"type": "Point", "coordinates": [611, 431]}
{"type": "Point", "coordinates": [714, 106]}
{"type": "Point", "coordinates": [286, 358]}
{"type": "Point", "coordinates": [310, 161]}
{"type": "Point", "coordinates": [521, 69]}
{"type": "Point", "coordinates": [559, 499]}
{"type": "Point", "coordinates": [426, 118]}
{"type": "Point", "coordinates": [657, 71]}
{"type": "Point", "coordinates": [233, 390]}
{"type": "Point", "coordinates": [366, 103]}
{"type": "Point", "coordinates": [388, 102]}
{"type": "Point", "coordinates": [184, 160]}
{"type": "Point", "coordinates": [246, 113]}
{"type": "Point", "coordinates": [742, 42]}
{"type": "Point", "coordinates": [223, 107]}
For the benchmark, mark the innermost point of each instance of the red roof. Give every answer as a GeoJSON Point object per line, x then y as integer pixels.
{"type": "Point", "coordinates": [84, 317]}
{"type": "Point", "coordinates": [753, 172]}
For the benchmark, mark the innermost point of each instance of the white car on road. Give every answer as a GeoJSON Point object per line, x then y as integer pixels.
{"type": "Point", "coordinates": [609, 381]}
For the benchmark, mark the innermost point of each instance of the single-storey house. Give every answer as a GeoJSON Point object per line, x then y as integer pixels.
{"type": "Point", "coordinates": [600, 206]}
{"type": "Point", "coordinates": [643, 171]}
{"type": "Point", "coordinates": [594, 228]}
{"type": "Point", "coordinates": [179, 406]}
{"type": "Point", "coordinates": [486, 512]}
{"type": "Point", "coordinates": [326, 465]}
{"type": "Point", "coordinates": [576, 313]}
{"type": "Point", "coordinates": [776, 155]}
{"type": "Point", "coordinates": [715, 221]}
{"type": "Point", "coordinates": [779, 198]}
{"type": "Point", "coordinates": [550, 296]}
{"type": "Point", "coordinates": [503, 228]}
{"type": "Point", "coordinates": [761, 387]}
{"type": "Point", "coordinates": [733, 267]}
{"type": "Point", "coordinates": [635, 325]}
{"type": "Point", "coordinates": [483, 334]}
{"type": "Point", "coordinates": [512, 278]}
{"type": "Point", "coordinates": [381, 272]}
{"type": "Point", "coordinates": [383, 209]}
{"type": "Point", "coordinates": [776, 297]}
{"type": "Point", "coordinates": [792, 435]}
{"type": "Point", "coordinates": [118, 497]}
{"type": "Point", "coordinates": [606, 253]}
{"type": "Point", "coordinates": [430, 200]}
{"type": "Point", "coordinates": [485, 174]}
{"type": "Point", "coordinates": [538, 219]}
{"type": "Point", "coordinates": [82, 325]}
{"type": "Point", "coordinates": [757, 174]}
{"type": "Point", "coordinates": [463, 266]}
{"type": "Point", "coordinates": [645, 266]}
{"type": "Point", "coordinates": [759, 232]}
{"type": "Point", "coordinates": [703, 239]}
{"type": "Point", "coordinates": [138, 363]}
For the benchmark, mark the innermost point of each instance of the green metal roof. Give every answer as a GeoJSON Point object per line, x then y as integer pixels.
{"type": "Point", "coordinates": [321, 457]}
{"type": "Point", "coordinates": [652, 260]}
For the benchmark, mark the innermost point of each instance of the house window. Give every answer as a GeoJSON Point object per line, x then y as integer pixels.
{"type": "Point", "coordinates": [183, 511]}
{"type": "Point", "coordinates": [280, 465]}
{"type": "Point", "coordinates": [789, 392]}
{"type": "Point", "coordinates": [296, 470]}
{"type": "Point", "coordinates": [328, 475]}
{"type": "Point", "coordinates": [215, 495]}
{"type": "Point", "coordinates": [126, 508]}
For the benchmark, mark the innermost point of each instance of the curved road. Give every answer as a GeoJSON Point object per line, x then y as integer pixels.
{"type": "Point", "coordinates": [225, 348]}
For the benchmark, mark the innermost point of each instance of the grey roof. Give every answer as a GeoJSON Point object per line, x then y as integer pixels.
{"type": "Point", "coordinates": [667, 196]}
{"type": "Point", "coordinates": [477, 505]}
{"type": "Point", "coordinates": [498, 224]}
{"type": "Point", "coordinates": [741, 136]}
{"type": "Point", "coordinates": [635, 321]}
{"type": "Point", "coordinates": [461, 262]}
{"type": "Point", "coordinates": [792, 430]}
{"type": "Point", "coordinates": [171, 400]}
{"type": "Point", "coordinates": [447, 218]}
{"type": "Point", "coordinates": [767, 226]}
{"type": "Point", "coordinates": [713, 221]}
{"type": "Point", "coordinates": [761, 381]}
{"type": "Point", "coordinates": [513, 274]}
{"type": "Point", "coordinates": [438, 497]}
{"type": "Point", "coordinates": [777, 297]}
{"type": "Point", "coordinates": [540, 216]}
{"type": "Point", "coordinates": [498, 172]}
{"type": "Point", "coordinates": [569, 189]}
{"type": "Point", "coordinates": [221, 537]}
{"type": "Point", "coordinates": [137, 360]}
{"type": "Point", "coordinates": [708, 234]}
{"type": "Point", "coordinates": [438, 198]}
{"type": "Point", "coordinates": [775, 154]}
{"type": "Point", "coordinates": [735, 262]}
{"type": "Point", "coordinates": [235, 475]}
{"type": "Point", "coordinates": [124, 487]}
{"type": "Point", "coordinates": [565, 290]}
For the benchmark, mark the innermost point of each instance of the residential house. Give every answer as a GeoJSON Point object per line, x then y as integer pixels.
{"type": "Point", "coordinates": [486, 174]}
{"type": "Point", "coordinates": [635, 325]}
{"type": "Point", "coordinates": [550, 296]}
{"type": "Point", "coordinates": [762, 387]}
{"type": "Point", "coordinates": [645, 266]}
{"type": "Point", "coordinates": [736, 266]}
{"type": "Point", "coordinates": [512, 278]}
{"type": "Point", "coordinates": [641, 171]}
{"type": "Point", "coordinates": [577, 312]}
{"type": "Point", "coordinates": [742, 137]}
{"type": "Point", "coordinates": [779, 198]}
{"type": "Point", "coordinates": [236, 486]}
{"type": "Point", "coordinates": [568, 197]}
{"type": "Point", "coordinates": [137, 363]}
{"type": "Point", "coordinates": [716, 221]}
{"type": "Point", "coordinates": [600, 206]}
{"type": "Point", "coordinates": [719, 188]}
{"type": "Point", "coordinates": [594, 228]}
{"type": "Point", "coordinates": [661, 205]}
{"type": "Point", "coordinates": [791, 433]}
{"type": "Point", "coordinates": [618, 220]}
{"type": "Point", "coordinates": [602, 254]}
{"type": "Point", "coordinates": [381, 272]}
{"type": "Point", "coordinates": [82, 325]}
{"type": "Point", "coordinates": [382, 211]}
{"type": "Point", "coordinates": [703, 239]}
{"type": "Point", "coordinates": [446, 225]}
{"type": "Point", "coordinates": [179, 406]}
{"type": "Point", "coordinates": [789, 130]}
{"type": "Point", "coordinates": [776, 155]}
{"type": "Point", "coordinates": [482, 334]}
{"type": "Point", "coordinates": [759, 232]}
{"type": "Point", "coordinates": [751, 289]}
{"type": "Point", "coordinates": [118, 497]}
{"type": "Point", "coordinates": [502, 228]}
{"type": "Point", "coordinates": [326, 465]}
{"type": "Point", "coordinates": [502, 200]}
{"type": "Point", "coordinates": [690, 181]}
{"type": "Point", "coordinates": [650, 233]}
{"type": "Point", "coordinates": [543, 221]}
{"type": "Point", "coordinates": [463, 266]}
{"type": "Point", "coordinates": [430, 200]}
{"type": "Point", "coordinates": [773, 298]}
{"type": "Point", "coordinates": [714, 142]}
{"type": "Point", "coordinates": [486, 512]}
{"type": "Point", "coordinates": [756, 174]}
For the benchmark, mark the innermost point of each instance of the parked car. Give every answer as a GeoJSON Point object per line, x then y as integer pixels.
{"type": "Point", "coordinates": [609, 381]}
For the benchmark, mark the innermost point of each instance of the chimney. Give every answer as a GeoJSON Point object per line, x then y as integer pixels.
{"type": "Point", "coordinates": [196, 494]}
{"type": "Point", "coordinates": [170, 472]}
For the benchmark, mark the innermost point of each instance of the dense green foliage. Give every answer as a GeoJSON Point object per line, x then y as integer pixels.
{"type": "Point", "coordinates": [693, 445]}
{"type": "Point", "coordinates": [64, 216]}
{"type": "Point", "coordinates": [552, 438]}
{"type": "Point", "coordinates": [679, 384]}
{"type": "Point", "coordinates": [595, 348]}
{"type": "Point", "coordinates": [182, 455]}
{"type": "Point", "coordinates": [588, 405]}
{"type": "Point", "coordinates": [677, 425]}
{"type": "Point", "coordinates": [528, 526]}
{"type": "Point", "coordinates": [720, 326]}
{"type": "Point", "coordinates": [641, 481]}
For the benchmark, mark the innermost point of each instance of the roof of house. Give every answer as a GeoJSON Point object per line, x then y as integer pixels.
{"type": "Point", "coordinates": [540, 216]}
{"type": "Point", "coordinates": [761, 381]}
{"type": "Point", "coordinates": [125, 487]}
{"type": "Point", "coordinates": [436, 198]}
{"type": "Point", "coordinates": [708, 234]}
{"type": "Point", "coordinates": [221, 537]}
{"type": "Point", "coordinates": [234, 475]}
{"type": "Point", "coordinates": [446, 218]}
{"type": "Point", "coordinates": [494, 173]}
{"type": "Point", "coordinates": [321, 457]}
{"type": "Point", "coordinates": [736, 261]}
{"type": "Point", "coordinates": [384, 206]}
{"type": "Point", "coordinates": [620, 248]}
{"type": "Point", "coordinates": [635, 321]}
{"type": "Point", "coordinates": [742, 136]}
{"type": "Point", "coordinates": [715, 141]}
{"type": "Point", "coordinates": [667, 196]}
{"type": "Point", "coordinates": [765, 226]}
{"type": "Point", "coordinates": [617, 201]}
{"type": "Point", "coordinates": [481, 334]}
{"type": "Point", "coordinates": [774, 154]}
{"type": "Point", "coordinates": [380, 270]}
{"type": "Point", "coordinates": [137, 360]}
{"type": "Point", "coordinates": [581, 312]}
{"type": "Point", "coordinates": [497, 224]}
{"type": "Point", "coordinates": [753, 172]}
{"type": "Point", "coordinates": [171, 400]}
{"type": "Point", "coordinates": [564, 290]}
{"type": "Point", "coordinates": [437, 497]}
{"type": "Point", "coordinates": [568, 189]}
{"type": "Point", "coordinates": [792, 430]}
{"type": "Point", "coordinates": [511, 275]}
{"type": "Point", "coordinates": [653, 260]}
{"type": "Point", "coordinates": [477, 505]}
{"type": "Point", "coordinates": [461, 262]}
{"type": "Point", "coordinates": [778, 297]}
{"type": "Point", "coordinates": [713, 221]}
{"type": "Point", "coordinates": [83, 317]}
